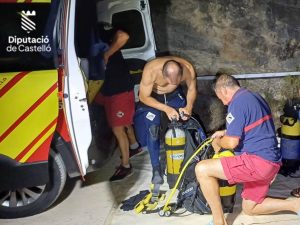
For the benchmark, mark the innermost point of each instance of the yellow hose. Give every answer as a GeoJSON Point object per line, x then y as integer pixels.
{"type": "Point", "coordinates": [206, 142]}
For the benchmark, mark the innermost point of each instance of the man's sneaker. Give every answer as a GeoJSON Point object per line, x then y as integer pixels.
{"type": "Point", "coordinates": [156, 176]}
{"type": "Point", "coordinates": [135, 152]}
{"type": "Point", "coordinates": [121, 173]}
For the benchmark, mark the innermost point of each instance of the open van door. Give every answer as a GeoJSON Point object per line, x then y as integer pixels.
{"type": "Point", "coordinates": [134, 16]}
{"type": "Point", "coordinates": [74, 96]}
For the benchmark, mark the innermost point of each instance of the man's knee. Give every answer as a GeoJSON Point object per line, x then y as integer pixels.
{"type": "Point", "coordinates": [248, 207]}
{"type": "Point", "coordinates": [119, 130]}
{"type": "Point", "coordinates": [154, 132]}
{"type": "Point", "coordinates": [201, 169]}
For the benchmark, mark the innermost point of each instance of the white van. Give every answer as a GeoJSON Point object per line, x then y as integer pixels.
{"type": "Point", "coordinates": [50, 129]}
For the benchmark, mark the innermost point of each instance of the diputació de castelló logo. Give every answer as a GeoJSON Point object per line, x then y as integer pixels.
{"type": "Point", "coordinates": [28, 43]}
{"type": "Point", "coordinates": [26, 23]}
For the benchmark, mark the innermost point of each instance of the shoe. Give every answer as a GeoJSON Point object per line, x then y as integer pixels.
{"type": "Point", "coordinates": [156, 176]}
{"type": "Point", "coordinates": [210, 223]}
{"type": "Point", "coordinates": [121, 173]}
{"type": "Point", "coordinates": [296, 192]}
{"type": "Point", "coordinates": [135, 152]}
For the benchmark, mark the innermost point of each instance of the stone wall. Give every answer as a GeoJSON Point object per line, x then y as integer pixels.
{"type": "Point", "coordinates": [245, 36]}
{"type": "Point", "coordinates": [248, 36]}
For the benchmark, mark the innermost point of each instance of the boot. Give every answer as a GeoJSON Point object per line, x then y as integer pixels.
{"type": "Point", "coordinates": [157, 177]}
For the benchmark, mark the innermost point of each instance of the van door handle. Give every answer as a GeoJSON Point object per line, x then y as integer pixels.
{"type": "Point", "coordinates": [83, 100]}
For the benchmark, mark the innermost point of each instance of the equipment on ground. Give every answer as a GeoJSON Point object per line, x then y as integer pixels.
{"type": "Point", "coordinates": [130, 203]}
{"type": "Point", "coordinates": [150, 202]}
{"type": "Point", "coordinates": [175, 147]}
{"type": "Point", "coordinates": [290, 138]}
{"type": "Point", "coordinates": [190, 196]}
{"type": "Point", "coordinates": [167, 209]}
{"type": "Point", "coordinates": [182, 172]}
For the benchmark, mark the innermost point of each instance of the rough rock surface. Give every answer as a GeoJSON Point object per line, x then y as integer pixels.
{"type": "Point", "coordinates": [247, 36]}
{"type": "Point", "coordinates": [241, 37]}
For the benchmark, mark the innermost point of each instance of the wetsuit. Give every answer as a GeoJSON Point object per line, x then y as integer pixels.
{"type": "Point", "coordinates": [147, 121]}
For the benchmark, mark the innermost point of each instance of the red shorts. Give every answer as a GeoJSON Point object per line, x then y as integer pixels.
{"type": "Point", "coordinates": [255, 173]}
{"type": "Point", "coordinates": [119, 108]}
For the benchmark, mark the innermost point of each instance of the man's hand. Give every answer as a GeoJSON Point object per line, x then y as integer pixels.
{"type": "Point", "coordinates": [215, 145]}
{"type": "Point", "coordinates": [172, 113]}
{"type": "Point", "coordinates": [218, 134]}
{"type": "Point", "coordinates": [184, 113]}
{"type": "Point", "coordinates": [216, 142]}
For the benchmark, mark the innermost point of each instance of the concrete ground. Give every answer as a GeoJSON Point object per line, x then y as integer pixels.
{"type": "Point", "coordinates": [97, 202]}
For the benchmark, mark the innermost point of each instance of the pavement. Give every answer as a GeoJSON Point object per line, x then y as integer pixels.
{"type": "Point", "coordinates": [97, 202]}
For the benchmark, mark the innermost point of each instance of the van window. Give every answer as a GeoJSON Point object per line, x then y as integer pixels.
{"type": "Point", "coordinates": [131, 21]}
{"type": "Point", "coordinates": [26, 37]}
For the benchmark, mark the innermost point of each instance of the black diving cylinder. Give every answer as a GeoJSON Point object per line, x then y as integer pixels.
{"type": "Point", "coordinates": [174, 146]}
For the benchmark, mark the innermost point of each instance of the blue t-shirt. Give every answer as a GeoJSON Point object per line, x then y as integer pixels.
{"type": "Point", "coordinates": [249, 118]}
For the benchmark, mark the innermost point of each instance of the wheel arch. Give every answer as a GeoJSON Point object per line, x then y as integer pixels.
{"type": "Point", "coordinates": [64, 148]}
{"type": "Point", "coordinates": [30, 200]}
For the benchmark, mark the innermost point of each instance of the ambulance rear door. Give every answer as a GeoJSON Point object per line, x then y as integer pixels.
{"type": "Point", "coordinates": [74, 93]}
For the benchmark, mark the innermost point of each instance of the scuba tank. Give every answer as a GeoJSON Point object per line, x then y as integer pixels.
{"type": "Point", "coordinates": [227, 192]}
{"type": "Point", "coordinates": [174, 146]}
{"type": "Point", "coordinates": [290, 138]}
{"type": "Point", "coordinates": [190, 195]}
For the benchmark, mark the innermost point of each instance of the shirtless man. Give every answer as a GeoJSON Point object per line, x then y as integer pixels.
{"type": "Point", "coordinates": [160, 91]}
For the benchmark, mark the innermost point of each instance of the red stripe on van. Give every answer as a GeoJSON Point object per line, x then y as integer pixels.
{"type": "Point", "coordinates": [26, 150]}
{"type": "Point", "coordinates": [42, 153]}
{"type": "Point", "coordinates": [28, 112]}
{"type": "Point", "coordinates": [12, 83]}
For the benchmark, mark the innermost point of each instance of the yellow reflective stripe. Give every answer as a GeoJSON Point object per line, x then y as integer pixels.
{"type": "Point", "coordinates": [23, 95]}
{"type": "Point", "coordinates": [38, 144]}
{"type": "Point", "coordinates": [228, 190]}
{"type": "Point", "coordinates": [31, 127]}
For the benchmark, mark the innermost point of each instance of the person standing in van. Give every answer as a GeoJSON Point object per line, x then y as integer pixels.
{"type": "Point", "coordinates": [117, 96]}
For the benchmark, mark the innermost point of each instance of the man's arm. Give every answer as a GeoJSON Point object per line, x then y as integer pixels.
{"type": "Point", "coordinates": [146, 87]}
{"type": "Point", "coordinates": [191, 82]}
{"type": "Point", "coordinates": [225, 142]}
{"type": "Point", "coordinates": [119, 40]}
